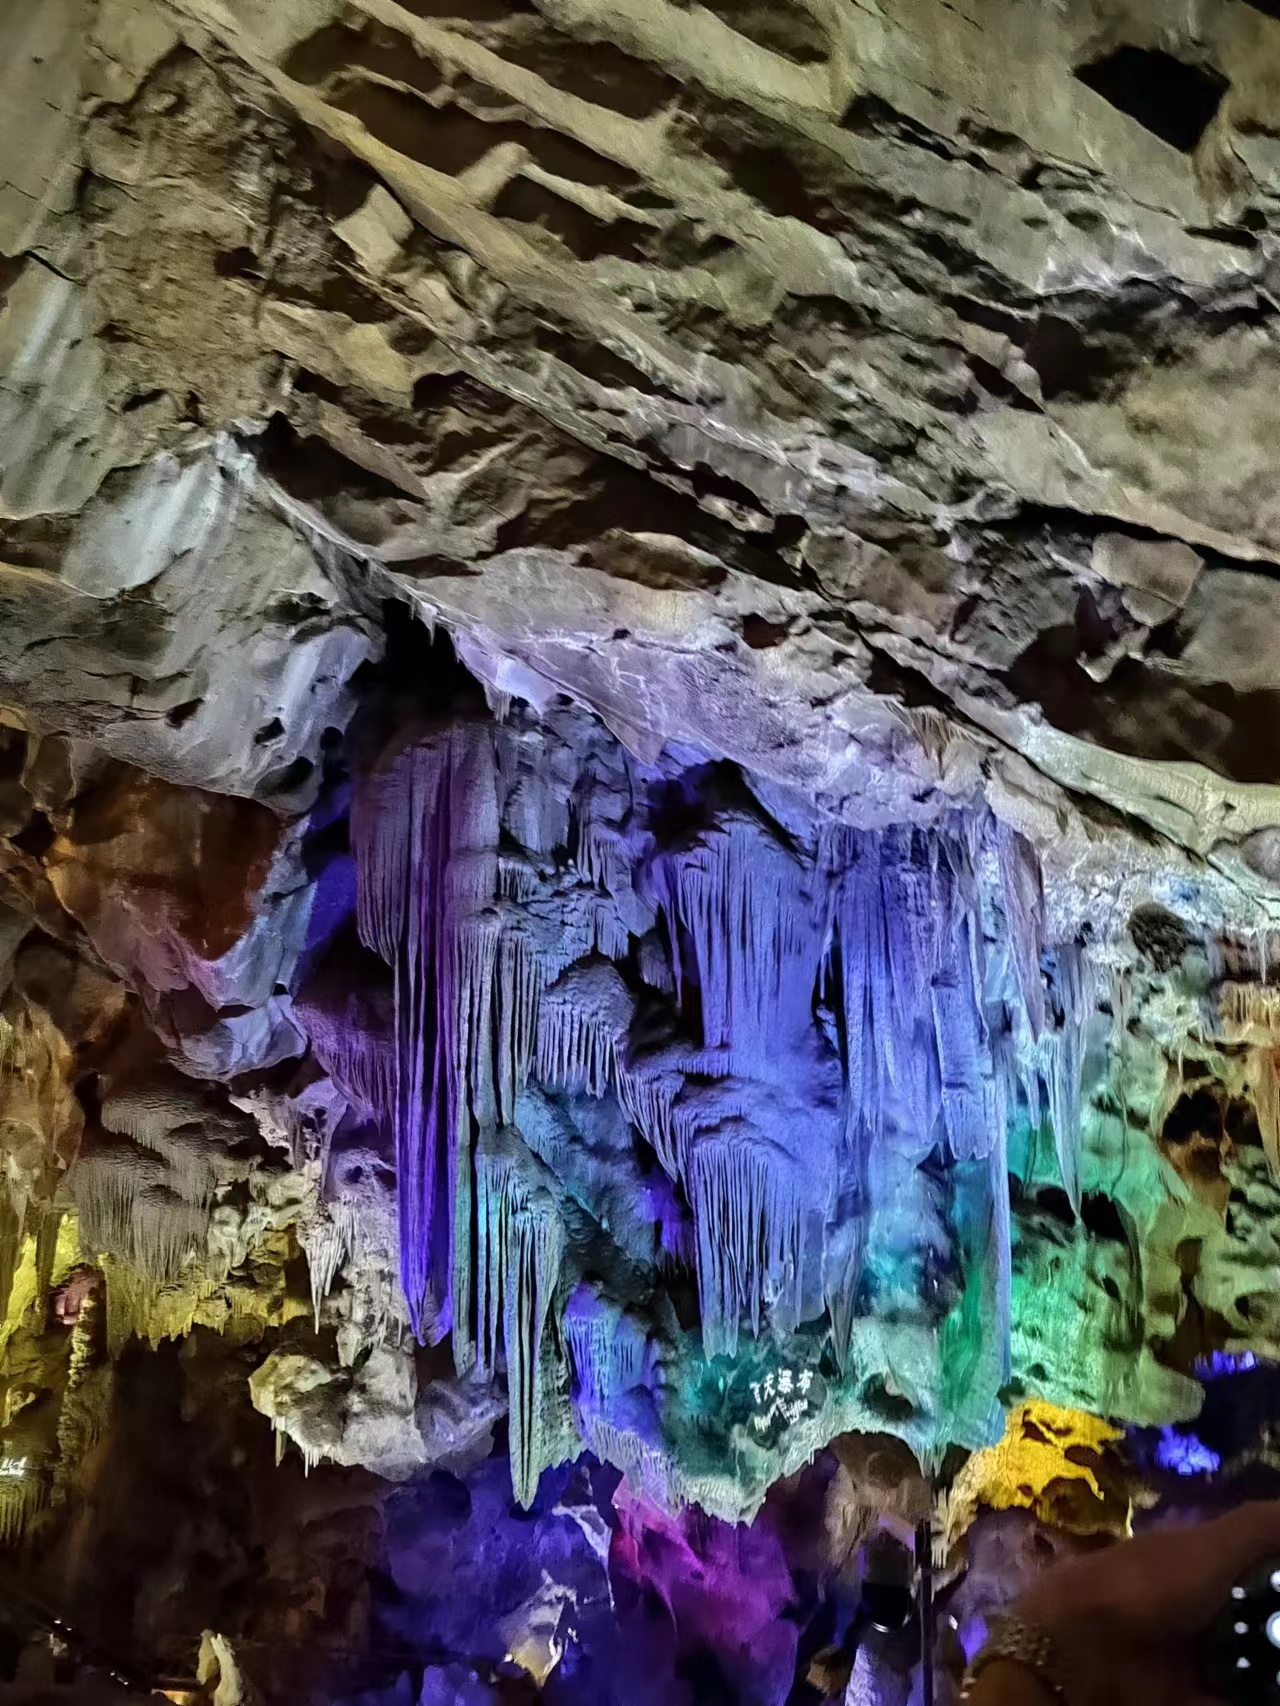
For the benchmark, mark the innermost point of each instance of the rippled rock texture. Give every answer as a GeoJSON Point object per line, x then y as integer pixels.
{"type": "Point", "coordinates": [638, 807]}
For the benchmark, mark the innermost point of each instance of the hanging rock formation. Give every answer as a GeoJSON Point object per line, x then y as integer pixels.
{"type": "Point", "coordinates": [639, 808]}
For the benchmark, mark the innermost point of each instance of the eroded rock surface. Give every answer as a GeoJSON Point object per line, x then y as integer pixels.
{"type": "Point", "coordinates": [639, 806]}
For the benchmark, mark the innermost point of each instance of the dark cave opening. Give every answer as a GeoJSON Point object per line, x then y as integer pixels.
{"type": "Point", "coordinates": [1173, 100]}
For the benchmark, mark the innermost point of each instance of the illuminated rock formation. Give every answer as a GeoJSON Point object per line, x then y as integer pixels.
{"type": "Point", "coordinates": [638, 811]}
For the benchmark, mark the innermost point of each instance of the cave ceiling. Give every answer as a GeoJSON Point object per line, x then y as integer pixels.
{"type": "Point", "coordinates": [639, 777]}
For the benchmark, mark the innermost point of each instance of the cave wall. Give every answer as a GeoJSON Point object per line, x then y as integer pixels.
{"type": "Point", "coordinates": [637, 794]}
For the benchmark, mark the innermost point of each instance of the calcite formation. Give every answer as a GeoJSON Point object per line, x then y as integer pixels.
{"type": "Point", "coordinates": [639, 814]}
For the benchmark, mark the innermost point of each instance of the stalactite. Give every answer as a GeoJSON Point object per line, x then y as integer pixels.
{"type": "Point", "coordinates": [517, 880]}
{"type": "Point", "coordinates": [913, 1032]}
{"type": "Point", "coordinates": [128, 1207]}
{"type": "Point", "coordinates": [771, 1007]}
{"type": "Point", "coordinates": [520, 1247]}
{"type": "Point", "coordinates": [153, 1310]}
{"type": "Point", "coordinates": [1001, 1248]}
{"type": "Point", "coordinates": [914, 975]}
{"type": "Point", "coordinates": [747, 1209]}
{"type": "Point", "coordinates": [755, 930]}
{"type": "Point", "coordinates": [359, 1058]}
{"type": "Point", "coordinates": [48, 1229]}
{"type": "Point", "coordinates": [1264, 1079]}
{"type": "Point", "coordinates": [844, 1248]}
{"type": "Point", "coordinates": [172, 1129]}
{"type": "Point", "coordinates": [648, 1095]}
{"type": "Point", "coordinates": [607, 1346]}
{"type": "Point", "coordinates": [425, 829]}
{"type": "Point", "coordinates": [602, 855]}
{"type": "Point", "coordinates": [1062, 1058]}
{"type": "Point", "coordinates": [1023, 897]}
{"type": "Point", "coordinates": [1250, 1013]}
{"type": "Point", "coordinates": [609, 935]}
{"type": "Point", "coordinates": [326, 1239]}
{"type": "Point", "coordinates": [654, 965]}
{"type": "Point", "coordinates": [24, 1492]}
{"type": "Point", "coordinates": [520, 979]}
{"type": "Point", "coordinates": [582, 1023]}
{"type": "Point", "coordinates": [11, 1232]}
{"type": "Point", "coordinates": [652, 1472]}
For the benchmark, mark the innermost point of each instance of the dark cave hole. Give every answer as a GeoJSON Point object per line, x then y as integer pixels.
{"type": "Point", "coordinates": [780, 26]}
{"type": "Point", "coordinates": [1196, 1114]}
{"type": "Point", "coordinates": [88, 1092]}
{"type": "Point", "coordinates": [13, 753]}
{"type": "Point", "coordinates": [596, 362]}
{"type": "Point", "coordinates": [598, 70]}
{"type": "Point", "coordinates": [1098, 1214]}
{"type": "Point", "coordinates": [1102, 1219]}
{"type": "Point", "coordinates": [292, 776]}
{"type": "Point", "coordinates": [1268, 8]}
{"type": "Point", "coordinates": [789, 531]}
{"type": "Point", "coordinates": [237, 263]}
{"type": "Point", "coordinates": [183, 713]}
{"type": "Point", "coordinates": [451, 139]}
{"type": "Point", "coordinates": [771, 177]}
{"type": "Point", "coordinates": [583, 234]}
{"type": "Point", "coordinates": [310, 469]}
{"type": "Point", "coordinates": [141, 400]}
{"type": "Point", "coordinates": [759, 633]}
{"type": "Point", "coordinates": [450, 1500]}
{"type": "Point", "coordinates": [891, 1406]}
{"type": "Point", "coordinates": [682, 810]}
{"type": "Point", "coordinates": [1241, 1121]}
{"type": "Point", "coordinates": [1146, 711]}
{"type": "Point", "coordinates": [1053, 1200]}
{"type": "Point", "coordinates": [338, 51]}
{"type": "Point", "coordinates": [37, 838]}
{"type": "Point", "coordinates": [702, 1670]}
{"type": "Point", "coordinates": [1171, 99]}
{"type": "Point", "coordinates": [469, 11]}
{"type": "Point", "coordinates": [1066, 363]}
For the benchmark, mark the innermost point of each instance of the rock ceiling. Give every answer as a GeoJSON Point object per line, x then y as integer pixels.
{"type": "Point", "coordinates": [639, 787]}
